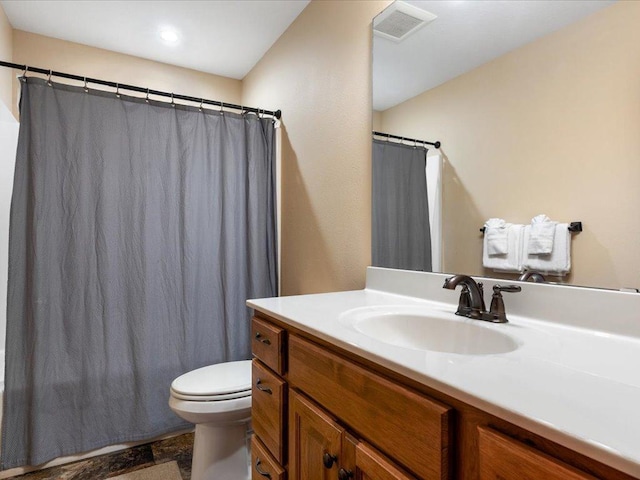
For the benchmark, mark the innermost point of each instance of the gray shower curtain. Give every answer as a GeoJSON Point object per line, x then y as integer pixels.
{"type": "Point", "coordinates": [138, 230]}
{"type": "Point", "coordinates": [401, 236]}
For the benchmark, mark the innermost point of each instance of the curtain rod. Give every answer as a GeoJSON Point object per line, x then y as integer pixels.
{"type": "Point", "coordinates": [148, 91]}
{"type": "Point", "coordinates": [388, 135]}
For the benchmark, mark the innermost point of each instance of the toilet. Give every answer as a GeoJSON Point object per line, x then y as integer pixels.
{"type": "Point", "coordinates": [217, 399]}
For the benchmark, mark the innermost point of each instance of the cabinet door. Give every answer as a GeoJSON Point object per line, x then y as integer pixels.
{"type": "Point", "coordinates": [314, 441]}
{"type": "Point", "coordinates": [502, 458]}
{"type": "Point", "coordinates": [263, 465]}
{"type": "Point", "coordinates": [268, 409]}
{"type": "Point", "coordinates": [413, 429]}
{"type": "Point", "coordinates": [371, 465]}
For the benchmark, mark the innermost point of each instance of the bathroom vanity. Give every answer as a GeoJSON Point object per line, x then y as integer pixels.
{"type": "Point", "coordinates": [387, 383]}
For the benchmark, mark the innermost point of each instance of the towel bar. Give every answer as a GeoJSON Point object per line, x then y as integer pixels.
{"type": "Point", "coordinates": [574, 227]}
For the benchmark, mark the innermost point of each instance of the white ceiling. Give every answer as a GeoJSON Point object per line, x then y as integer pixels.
{"type": "Point", "coordinates": [221, 37]}
{"type": "Point", "coordinates": [229, 37]}
{"type": "Point", "coordinates": [466, 34]}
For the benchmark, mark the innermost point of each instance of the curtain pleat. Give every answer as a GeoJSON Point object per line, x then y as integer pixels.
{"type": "Point", "coordinates": [138, 230]}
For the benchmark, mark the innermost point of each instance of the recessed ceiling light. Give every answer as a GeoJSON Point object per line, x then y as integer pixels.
{"type": "Point", "coordinates": [169, 35]}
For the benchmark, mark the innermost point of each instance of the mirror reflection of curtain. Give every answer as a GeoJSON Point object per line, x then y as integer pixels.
{"type": "Point", "coordinates": [138, 231]}
{"type": "Point", "coordinates": [401, 236]}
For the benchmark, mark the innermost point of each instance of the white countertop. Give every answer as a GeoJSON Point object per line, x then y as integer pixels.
{"type": "Point", "coordinates": [575, 386]}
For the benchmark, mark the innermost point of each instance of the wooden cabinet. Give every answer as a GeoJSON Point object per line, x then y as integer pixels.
{"type": "Point", "coordinates": [502, 458]}
{"type": "Point", "coordinates": [315, 441]}
{"type": "Point", "coordinates": [263, 465]}
{"type": "Point", "coordinates": [320, 412]}
{"type": "Point", "coordinates": [372, 465]}
{"type": "Point", "coordinates": [415, 428]}
{"type": "Point", "coordinates": [321, 449]}
{"type": "Point", "coordinates": [268, 344]}
{"type": "Point", "coordinates": [268, 403]}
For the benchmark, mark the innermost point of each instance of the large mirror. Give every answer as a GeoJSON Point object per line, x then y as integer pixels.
{"type": "Point", "coordinates": [537, 106]}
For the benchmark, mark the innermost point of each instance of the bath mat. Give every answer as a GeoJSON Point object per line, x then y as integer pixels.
{"type": "Point", "coordinates": [163, 471]}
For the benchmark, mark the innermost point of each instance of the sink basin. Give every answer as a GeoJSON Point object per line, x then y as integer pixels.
{"type": "Point", "coordinates": [410, 328]}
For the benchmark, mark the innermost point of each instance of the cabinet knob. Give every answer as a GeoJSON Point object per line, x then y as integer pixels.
{"type": "Point", "coordinates": [328, 460]}
{"type": "Point", "coordinates": [260, 338]}
{"type": "Point", "coordinates": [260, 471]}
{"type": "Point", "coordinates": [262, 388]}
{"type": "Point", "coordinates": [344, 474]}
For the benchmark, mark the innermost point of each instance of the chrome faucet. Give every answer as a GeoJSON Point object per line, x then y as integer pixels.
{"type": "Point", "coordinates": [471, 302]}
{"type": "Point", "coordinates": [536, 277]}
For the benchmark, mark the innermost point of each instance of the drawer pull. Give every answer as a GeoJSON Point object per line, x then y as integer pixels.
{"type": "Point", "coordinates": [328, 460]}
{"type": "Point", "coordinates": [262, 388]}
{"type": "Point", "coordinates": [260, 471]}
{"type": "Point", "coordinates": [344, 474]}
{"type": "Point", "coordinates": [260, 338]}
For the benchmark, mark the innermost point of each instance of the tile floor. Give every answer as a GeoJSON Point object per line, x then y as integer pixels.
{"type": "Point", "coordinates": [97, 468]}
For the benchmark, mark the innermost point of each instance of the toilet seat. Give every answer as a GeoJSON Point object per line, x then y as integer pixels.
{"type": "Point", "coordinates": [214, 383]}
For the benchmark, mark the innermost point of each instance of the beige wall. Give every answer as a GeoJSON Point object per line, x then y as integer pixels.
{"type": "Point", "coordinates": [68, 57]}
{"type": "Point", "coordinates": [319, 74]}
{"type": "Point", "coordinates": [553, 128]}
{"type": "Point", "coordinates": [6, 47]}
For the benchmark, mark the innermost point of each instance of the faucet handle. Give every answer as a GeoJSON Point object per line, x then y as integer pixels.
{"type": "Point", "coordinates": [506, 288]}
{"type": "Point", "coordinates": [497, 311]}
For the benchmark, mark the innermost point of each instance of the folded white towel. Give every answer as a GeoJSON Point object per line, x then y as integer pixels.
{"type": "Point", "coordinates": [495, 233]}
{"type": "Point", "coordinates": [541, 235]}
{"type": "Point", "coordinates": [558, 262]}
{"type": "Point", "coordinates": [510, 261]}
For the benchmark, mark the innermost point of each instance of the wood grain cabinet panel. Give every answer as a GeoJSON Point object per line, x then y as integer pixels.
{"type": "Point", "coordinates": [314, 437]}
{"type": "Point", "coordinates": [263, 465]}
{"type": "Point", "coordinates": [502, 458]}
{"type": "Point", "coordinates": [268, 344]}
{"type": "Point", "coordinates": [412, 428]}
{"type": "Point", "coordinates": [268, 404]}
{"type": "Point", "coordinates": [372, 465]}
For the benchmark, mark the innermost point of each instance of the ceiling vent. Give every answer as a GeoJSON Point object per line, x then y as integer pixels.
{"type": "Point", "coordinates": [400, 20]}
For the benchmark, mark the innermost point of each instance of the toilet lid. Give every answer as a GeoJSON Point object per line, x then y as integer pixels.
{"type": "Point", "coordinates": [224, 379]}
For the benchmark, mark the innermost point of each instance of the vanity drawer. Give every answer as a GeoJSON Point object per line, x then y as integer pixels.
{"type": "Point", "coordinates": [503, 458]}
{"type": "Point", "coordinates": [405, 425]}
{"type": "Point", "coordinates": [263, 465]}
{"type": "Point", "coordinates": [268, 344]}
{"type": "Point", "coordinates": [268, 409]}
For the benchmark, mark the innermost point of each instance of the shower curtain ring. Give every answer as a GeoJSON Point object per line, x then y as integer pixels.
{"type": "Point", "coordinates": [24, 74]}
{"type": "Point", "coordinates": [146, 98]}
{"type": "Point", "coordinates": [118, 90]}
{"type": "Point", "coordinates": [172, 104]}
{"type": "Point", "coordinates": [49, 78]}
{"type": "Point", "coordinates": [201, 102]}
{"type": "Point", "coordinates": [221, 108]}
{"type": "Point", "coordinates": [86, 89]}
